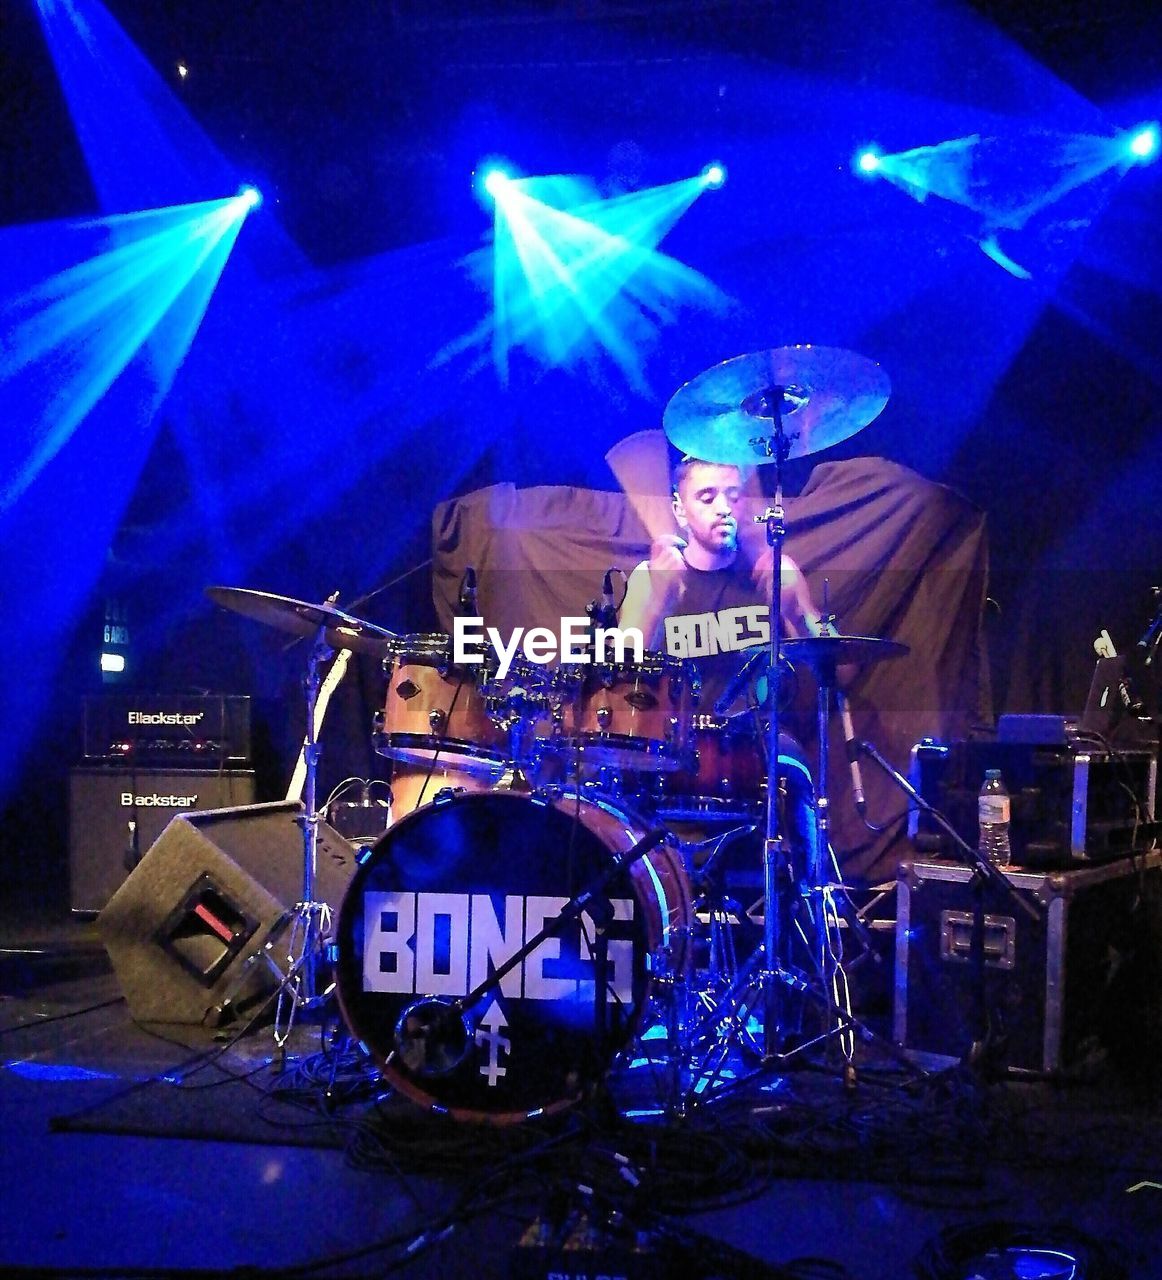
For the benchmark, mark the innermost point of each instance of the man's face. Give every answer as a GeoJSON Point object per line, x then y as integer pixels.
{"type": "Point", "coordinates": [705, 506]}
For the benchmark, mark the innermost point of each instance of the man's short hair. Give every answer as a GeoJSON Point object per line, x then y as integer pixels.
{"type": "Point", "coordinates": [687, 460]}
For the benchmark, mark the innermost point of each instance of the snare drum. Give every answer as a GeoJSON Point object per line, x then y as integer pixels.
{"type": "Point", "coordinates": [463, 716]}
{"type": "Point", "coordinates": [455, 889]}
{"type": "Point", "coordinates": [634, 715]}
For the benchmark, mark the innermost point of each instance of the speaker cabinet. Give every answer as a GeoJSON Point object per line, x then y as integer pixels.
{"type": "Point", "coordinates": [116, 814]}
{"type": "Point", "coordinates": [208, 895]}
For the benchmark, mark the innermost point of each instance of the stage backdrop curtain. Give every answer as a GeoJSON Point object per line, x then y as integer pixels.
{"type": "Point", "coordinates": [888, 552]}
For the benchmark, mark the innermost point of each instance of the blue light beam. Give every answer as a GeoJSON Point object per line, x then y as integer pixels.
{"type": "Point", "coordinates": [573, 274]}
{"type": "Point", "coordinates": [1008, 181]}
{"type": "Point", "coordinates": [1143, 143]}
{"type": "Point", "coordinates": [70, 337]}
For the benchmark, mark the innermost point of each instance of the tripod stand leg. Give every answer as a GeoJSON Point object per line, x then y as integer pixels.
{"type": "Point", "coordinates": [298, 989]}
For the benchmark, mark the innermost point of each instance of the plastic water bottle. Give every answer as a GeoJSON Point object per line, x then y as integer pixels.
{"type": "Point", "coordinates": [993, 814]}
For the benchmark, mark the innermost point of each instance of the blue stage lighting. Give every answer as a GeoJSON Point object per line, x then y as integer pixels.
{"type": "Point", "coordinates": [251, 197]}
{"type": "Point", "coordinates": [1144, 142]}
{"type": "Point", "coordinates": [495, 181]}
{"type": "Point", "coordinates": [867, 161]}
{"type": "Point", "coordinates": [713, 176]}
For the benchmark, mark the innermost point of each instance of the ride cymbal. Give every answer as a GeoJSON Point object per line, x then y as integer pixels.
{"type": "Point", "coordinates": [823, 394]}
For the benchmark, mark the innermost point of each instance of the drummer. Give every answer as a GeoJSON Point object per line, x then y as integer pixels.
{"type": "Point", "coordinates": [699, 595]}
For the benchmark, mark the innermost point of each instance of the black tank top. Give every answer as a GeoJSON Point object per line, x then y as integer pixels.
{"type": "Point", "coordinates": [719, 619]}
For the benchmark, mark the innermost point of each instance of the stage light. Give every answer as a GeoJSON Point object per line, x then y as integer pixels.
{"type": "Point", "coordinates": [251, 197]}
{"type": "Point", "coordinates": [1144, 142]}
{"type": "Point", "coordinates": [713, 176]}
{"type": "Point", "coordinates": [572, 273]}
{"type": "Point", "coordinates": [183, 71]}
{"type": "Point", "coordinates": [867, 161]}
{"type": "Point", "coordinates": [112, 663]}
{"type": "Point", "coordinates": [495, 181]}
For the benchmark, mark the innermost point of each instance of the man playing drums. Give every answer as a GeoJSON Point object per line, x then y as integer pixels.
{"type": "Point", "coordinates": [698, 596]}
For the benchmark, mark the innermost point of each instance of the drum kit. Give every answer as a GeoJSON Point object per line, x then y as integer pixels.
{"type": "Point", "coordinates": [547, 882]}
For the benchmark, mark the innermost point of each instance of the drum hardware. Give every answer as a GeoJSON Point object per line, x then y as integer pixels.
{"type": "Point", "coordinates": [709, 433]}
{"type": "Point", "coordinates": [724, 916]}
{"type": "Point", "coordinates": [738, 413]}
{"type": "Point", "coordinates": [309, 924]}
{"type": "Point", "coordinates": [823, 655]}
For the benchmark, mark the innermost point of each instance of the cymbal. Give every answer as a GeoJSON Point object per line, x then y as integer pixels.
{"type": "Point", "coordinates": [342, 630]}
{"type": "Point", "coordinates": [823, 654]}
{"type": "Point", "coordinates": [828, 394]}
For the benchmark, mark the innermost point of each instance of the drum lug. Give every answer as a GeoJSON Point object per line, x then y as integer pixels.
{"type": "Point", "coordinates": [377, 722]}
{"type": "Point", "coordinates": [604, 716]}
{"type": "Point", "coordinates": [437, 719]}
{"type": "Point", "coordinates": [671, 728]}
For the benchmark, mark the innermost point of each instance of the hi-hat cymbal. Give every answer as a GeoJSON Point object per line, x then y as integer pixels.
{"type": "Point", "coordinates": [342, 630]}
{"type": "Point", "coordinates": [825, 395]}
{"type": "Point", "coordinates": [824, 653]}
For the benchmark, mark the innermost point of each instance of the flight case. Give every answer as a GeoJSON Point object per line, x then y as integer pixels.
{"type": "Point", "coordinates": [1081, 978]}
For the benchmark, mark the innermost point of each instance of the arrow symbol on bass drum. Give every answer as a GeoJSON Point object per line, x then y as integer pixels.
{"type": "Point", "coordinates": [488, 1037]}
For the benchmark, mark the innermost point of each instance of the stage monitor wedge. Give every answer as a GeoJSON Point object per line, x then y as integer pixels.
{"type": "Point", "coordinates": [185, 930]}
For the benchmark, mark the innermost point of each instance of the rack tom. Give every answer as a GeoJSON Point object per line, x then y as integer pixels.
{"type": "Point", "coordinates": [634, 716]}
{"type": "Point", "coordinates": [459, 714]}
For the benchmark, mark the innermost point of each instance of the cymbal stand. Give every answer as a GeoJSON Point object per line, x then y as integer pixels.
{"type": "Point", "coordinates": [769, 970]}
{"type": "Point", "coordinates": [310, 922]}
{"type": "Point", "coordinates": [766, 971]}
{"type": "Point", "coordinates": [777, 878]}
{"type": "Point", "coordinates": [819, 891]}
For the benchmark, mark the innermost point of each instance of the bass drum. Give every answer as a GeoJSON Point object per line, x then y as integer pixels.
{"type": "Point", "coordinates": [453, 891]}
{"type": "Point", "coordinates": [416, 785]}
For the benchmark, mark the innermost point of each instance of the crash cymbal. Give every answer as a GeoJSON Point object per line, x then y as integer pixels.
{"type": "Point", "coordinates": [302, 619]}
{"type": "Point", "coordinates": [828, 394]}
{"type": "Point", "coordinates": [824, 653]}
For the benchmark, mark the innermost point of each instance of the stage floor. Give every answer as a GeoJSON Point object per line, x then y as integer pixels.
{"type": "Point", "coordinates": [167, 1150]}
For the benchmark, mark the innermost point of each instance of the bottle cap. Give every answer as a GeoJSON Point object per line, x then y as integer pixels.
{"type": "Point", "coordinates": [991, 774]}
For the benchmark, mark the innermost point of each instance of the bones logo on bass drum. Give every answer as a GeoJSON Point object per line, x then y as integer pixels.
{"type": "Point", "coordinates": [454, 890]}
